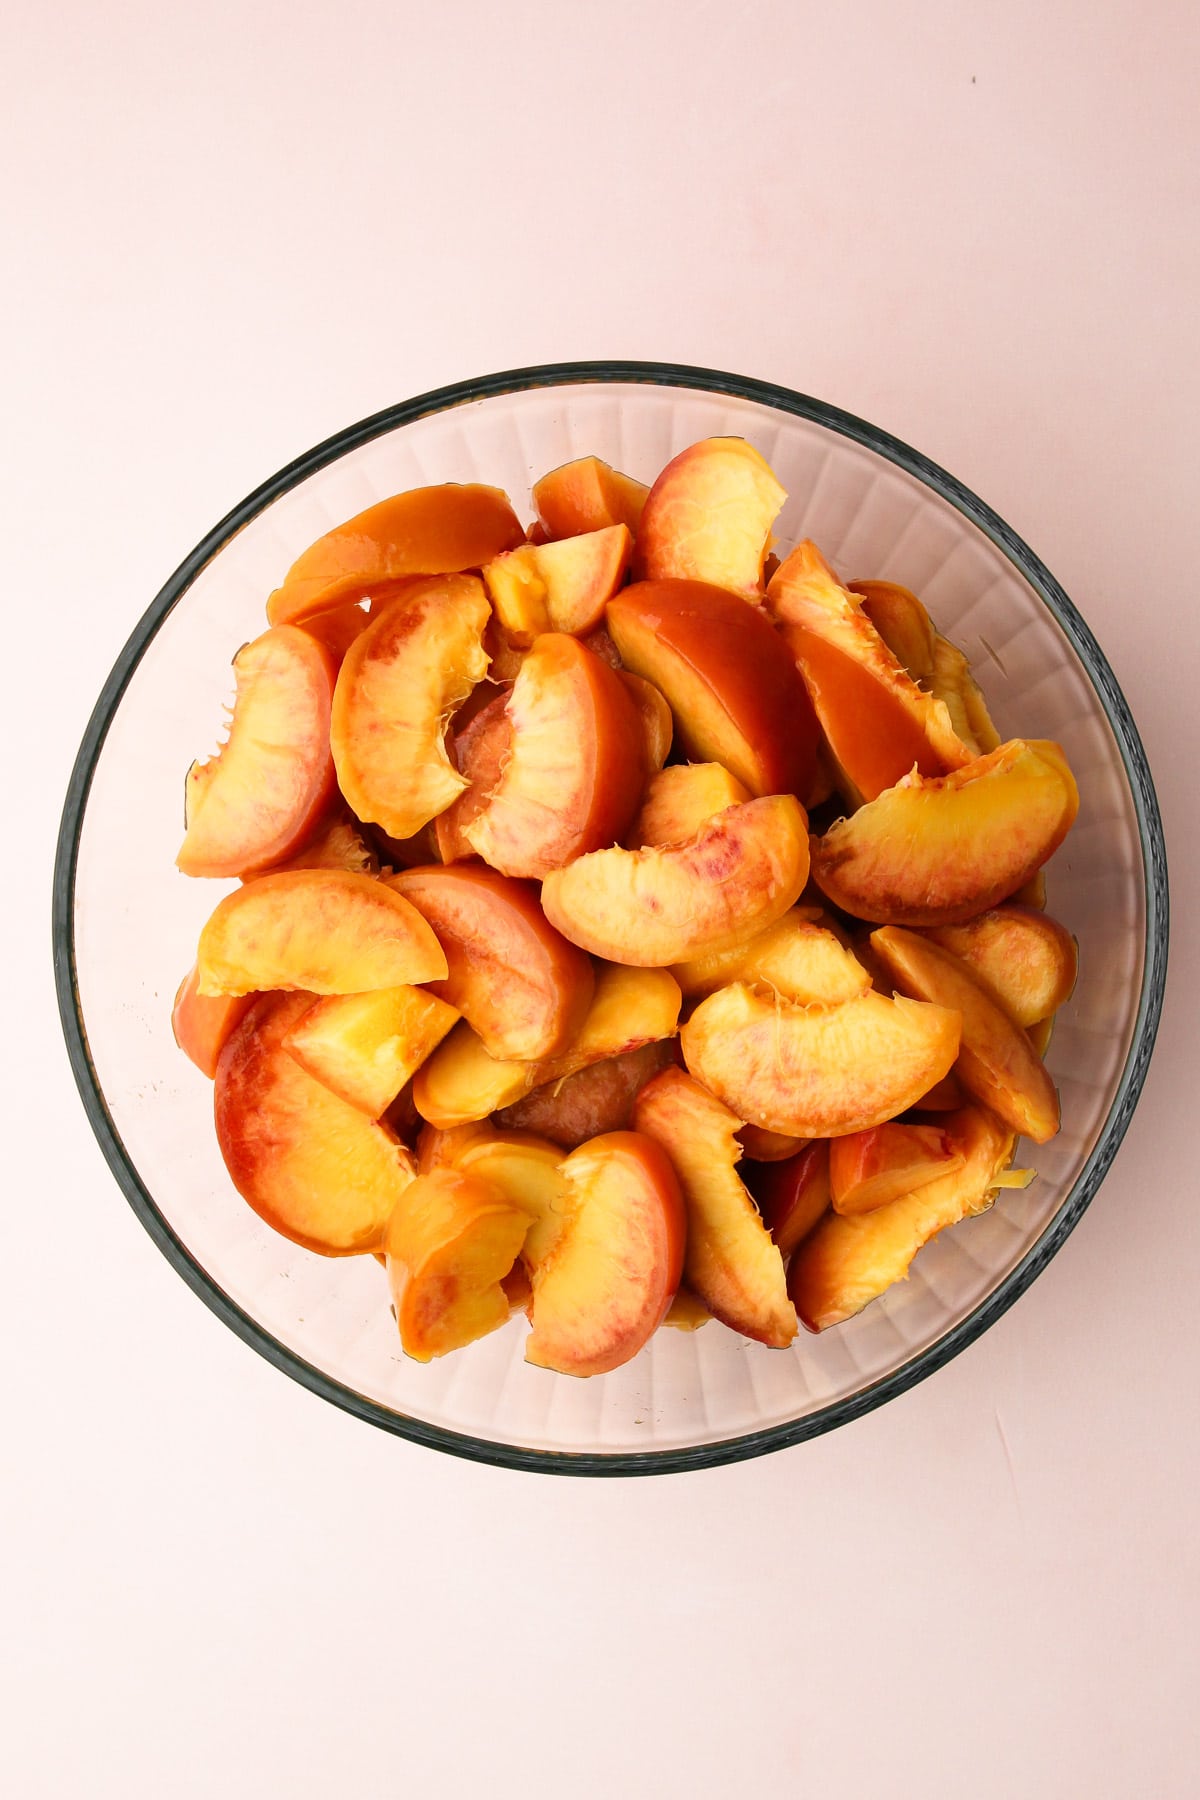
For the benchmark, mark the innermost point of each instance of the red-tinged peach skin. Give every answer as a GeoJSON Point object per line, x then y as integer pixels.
{"type": "Point", "coordinates": [658, 727]}
{"type": "Point", "coordinates": [878, 724]}
{"type": "Point", "coordinates": [324, 931]}
{"type": "Point", "coordinates": [573, 775]}
{"type": "Point", "coordinates": [594, 1100]}
{"type": "Point", "coordinates": [730, 1261]}
{"type": "Point", "coordinates": [901, 621]}
{"type": "Point", "coordinates": [561, 586]}
{"type": "Point", "coordinates": [366, 1046]}
{"type": "Point", "coordinates": [587, 495]}
{"type": "Point", "coordinates": [651, 908]}
{"type": "Point", "coordinates": [315, 1168]}
{"type": "Point", "coordinates": [450, 1243]}
{"type": "Point", "coordinates": [522, 987]}
{"type": "Point", "coordinates": [794, 957]}
{"type": "Point", "coordinates": [937, 851]}
{"type": "Point", "coordinates": [397, 687]}
{"type": "Point", "coordinates": [769, 1146]}
{"type": "Point", "coordinates": [480, 750]}
{"type": "Point", "coordinates": [259, 797]}
{"type": "Point", "coordinates": [846, 1263]}
{"type": "Point", "coordinates": [996, 1062]}
{"type": "Point", "coordinates": [872, 1168]}
{"type": "Point", "coordinates": [735, 694]}
{"type": "Point", "coordinates": [792, 1196]}
{"type": "Point", "coordinates": [203, 1023]}
{"type": "Point", "coordinates": [708, 517]}
{"type": "Point", "coordinates": [427, 531]}
{"type": "Point", "coordinates": [1026, 960]}
{"type": "Point", "coordinates": [606, 1283]}
{"type": "Point", "coordinates": [679, 800]}
{"type": "Point", "coordinates": [817, 1071]}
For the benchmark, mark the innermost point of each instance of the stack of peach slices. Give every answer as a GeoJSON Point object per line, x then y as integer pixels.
{"type": "Point", "coordinates": [633, 928]}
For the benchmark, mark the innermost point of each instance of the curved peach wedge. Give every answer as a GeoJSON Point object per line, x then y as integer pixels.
{"type": "Point", "coordinates": [792, 1196]}
{"type": "Point", "coordinates": [587, 495]}
{"type": "Point", "coordinates": [366, 1046]}
{"type": "Point", "coordinates": [996, 1061]}
{"type": "Point", "coordinates": [952, 682]}
{"type": "Point", "coordinates": [901, 621]}
{"type": "Point", "coordinates": [871, 1168]}
{"type": "Point", "coordinates": [817, 1071]}
{"type": "Point", "coordinates": [937, 851]}
{"type": "Point", "coordinates": [594, 1100]}
{"type": "Point", "coordinates": [399, 683]}
{"type": "Point", "coordinates": [255, 801]}
{"type": "Point", "coordinates": [708, 517]}
{"type": "Point", "coordinates": [650, 908]}
{"type": "Point", "coordinates": [561, 586]}
{"type": "Point", "coordinates": [573, 776]}
{"type": "Point", "coordinates": [427, 531]}
{"type": "Point", "coordinates": [1026, 960]}
{"type": "Point", "coordinates": [658, 727]}
{"type": "Point", "coordinates": [522, 988]}
{"type": "Point", "coordinates": [730, 1260]}
{"type": "Point", "coordinates": [734, 692]}
{"type": "Point", "coordinates": [315, 1168]}
{"type": "Point", "coordinates": [795, 956]}
{"type": "Point", "coordinates": [527, 1170]}
{"type": "Point", "coordinates": [203, 1023]}
{"type": "Point", "coordinates": [324, 931]}
{"type": "Point", "coordinates": [606, 1283]}
{"type": "Point", "coordinates": [847, 1262]}
{"type": "Point", "coordinates": [680, 799]}
{"type": "Point", "coordinates": [449, 1245]}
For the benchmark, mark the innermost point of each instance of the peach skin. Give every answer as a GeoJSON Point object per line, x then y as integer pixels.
{"type": "Point", "coordinates": [650, 908]}
{"type": "Point", "coordinates": [315, 1168]}
{"type": "Point", "coordinates": [792, 1196]}
{"type": "Point", "coordinates": [587, 495]}
{"type": "Point", "coordinates": [202, 1023]}
{"type": "Point", "coordinates": [449, 1245]}
{"type": "Point", "coordinates": [262, 794]}
{"type": "Point", "coordinates": [708, 517]}
{"type": "Point", "coordinates": [871, 1168]}
{"type": "Point", "coordinates": [427, 531]}
{"type": "Point", "coordinates": [730, 1261]}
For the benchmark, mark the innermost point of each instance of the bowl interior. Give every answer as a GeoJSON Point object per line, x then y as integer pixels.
{"type": "Point", "coordinates": [136, 921]}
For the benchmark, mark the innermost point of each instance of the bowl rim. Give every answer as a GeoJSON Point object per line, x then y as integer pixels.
{"type": "Point", "coordinates": [1129, 1086]}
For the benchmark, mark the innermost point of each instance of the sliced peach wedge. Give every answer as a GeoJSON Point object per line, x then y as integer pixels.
{"type": "Point", "coordinates": [324, 931]}
{"type": "Point", "coordinates": [594, 1100]}
{"type": "Point", "coordinates": [796, 957]}
{"type": "Point", "coordinates": [845, 1263]}
{"type": "Point", "coordinates": [996, 1062]}
{"type": "Point", "coordinates": [587, 495]}
{"type": "Point", "coordinates": [399, 683]}
{"type": "Point", "coordinates": [427, 531]}
{"type": "Point", "coordinates": [902, 622]}
{"type": "Point", "coordinates": [203, 1023]}
{"type": "Point", "coordinates": [792, 1196]}
{"type": "Point", "coordinates": [521, 986]}
{"type": "Point", "coordinates": [604, 1285]}
{"type": "Point", "coordinates": [730, 1260]}
{"type": "Point", "coordinates": [260, 796]}
{"type": "Point", "coordinates": [562, 586]}
{"type": "Point", "coordinates": [936, 851]}
{"type": "Point", "coordinates": [314, 1167]}
{"type": "Point", "coordinates": [651, 908]}
{"type": "Point", "coordinates": [679, 800]}
{"type": "Point", "coordinates": [574, 770]}
{"type": "Point", "coordinates": [365, 1047]}
{"type": "Point", "coordinates": [817, 1071]}
{"type": "Point", "coordinates": [952, 682]}
{"type": "Point", "coordinates": [871, 1168]}
{"type": "Point", "coordinates": [450, 1243]}
{"type": "Point", "coordinates": [877, 722]}
{"type": "Point", "coordinates": [1026, 960]}
{"type": "Point", "coordinates": [708, 517]}
{"type": "Point", "coordinates": [734, 692]}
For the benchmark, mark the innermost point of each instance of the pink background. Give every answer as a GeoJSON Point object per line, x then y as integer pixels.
{"type": "Point", "coordinates": [233, 229]}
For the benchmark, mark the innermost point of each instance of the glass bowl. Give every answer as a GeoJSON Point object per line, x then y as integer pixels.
{"type": "Point", "coordinates": [126, 923]}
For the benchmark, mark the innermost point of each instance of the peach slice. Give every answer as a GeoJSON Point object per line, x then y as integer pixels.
{"type": "Point", "coordinates": [338, 629]}
{"type": "Point", "coordinates": [650, 908]}
{"type": "Point", "coordinates": [480, 750]}
{"type": "Point", "coordinates": [795, 956]}
{"type": "Point", "coordinates": [315, 1168]}
{"type": "Point", "coordinates": [324, 931]}
{"type": "Point", "coordinates": [398, 685]}
{"type": "Point", "coordinates": [449, 1245]}
{"type": "Point", "coordinates": [996, 1062]}
{"type": "Point", "coordinates": [848, 1262]}
{"type": "Point", "coordinates": [427, 531]}
{"type": "Point", "coordinates": [817, 1071]}
{"type": "Point", "coordinates": [687, 1312]}
{"type": "Point", "coordinates": [255, 801]}
{"type": "Point", "coordinates": [871, 1168]}
{"type": "Point", "coordinates": [901, 621]}
{"type": "Point", "coordinates": [561, 586]}
{"type": "Point", "coordinates": [769, 1146]}
{"type": "Point", "coordinates": [1025, 960]}
{"type": "Point", "coordinates": [708, 517]}
{"type": "Point", "coordinates": [937, 851]}
{"type": "Point", "coordinates": [587, 495]}
{"type": "Point", "coordinates": [595, 1100]}
{"type": "Point", "coordinates": [730, 1260]}
{"type": "Point", "coordinates": [953, 683]}
{"type": "Point", "coordinates": [658, 727]}
{"type": "Point", "coordinates": [522, 988]}
{"type": "Point", "coordinates": [366, 1046]}
{"type": "Point", "coordinates": [461, 1082]}
{"type": "Point", "coordinates": [442, 1149]}
{"type": "Point", "coordinates": [734, 693]}
{"type": "Point", "coordinates": [679, 800]}
{"type": "Point", "coordinates": [528, 1172]}
{"type": "Point", "coordinates": [574, 771]}
{"type": "Point", "coordinates": [609, 1277]}
{"type": "Point", "coordinates": [792, 1196]}
{"type": "Point", "coordinates": [337, 844]}
{"type": "Point", "coordinates": [203, 1023]}
{"type": "Point", "coordinates": [877, 722]}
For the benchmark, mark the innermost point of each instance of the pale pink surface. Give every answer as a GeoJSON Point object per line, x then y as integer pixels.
{"type": "Point", "coordinates": [235, 234]}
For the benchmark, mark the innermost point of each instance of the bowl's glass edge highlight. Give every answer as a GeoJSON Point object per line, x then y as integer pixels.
{"type": "Point", "coordinates": [1133, 1076]}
